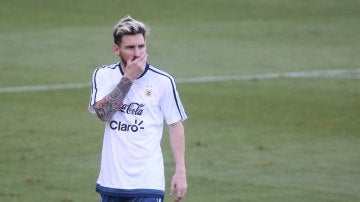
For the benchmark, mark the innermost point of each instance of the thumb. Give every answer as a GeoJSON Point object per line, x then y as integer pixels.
{"type": "Point", "coordinates": [172, 188]}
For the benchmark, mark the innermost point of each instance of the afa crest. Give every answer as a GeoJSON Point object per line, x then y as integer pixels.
{"type": "Point", "coordinates": [149, 93]}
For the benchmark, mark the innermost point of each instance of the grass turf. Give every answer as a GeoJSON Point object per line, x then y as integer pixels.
{"type": "Point", "coordinates": [300, 145]}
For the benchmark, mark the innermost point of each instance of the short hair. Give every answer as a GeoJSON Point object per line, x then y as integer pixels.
{"type": "Point", "coordinates": [128, 26]}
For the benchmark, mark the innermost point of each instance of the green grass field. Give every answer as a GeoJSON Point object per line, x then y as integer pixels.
{"type": "Point", "coordinates": [275, 140]}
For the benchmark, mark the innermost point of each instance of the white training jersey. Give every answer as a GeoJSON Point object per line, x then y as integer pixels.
{"type": "Point", "coordinates": [132, 161]}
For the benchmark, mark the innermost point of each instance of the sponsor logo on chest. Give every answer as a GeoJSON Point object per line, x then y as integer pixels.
{"type": "Point", "coordinates": [133, 108]}
{"type": "Point", "coordinates": [118, 125]}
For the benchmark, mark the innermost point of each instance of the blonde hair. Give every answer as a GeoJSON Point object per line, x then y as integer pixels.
{"type": "Point", "coordinates": [129, 26]}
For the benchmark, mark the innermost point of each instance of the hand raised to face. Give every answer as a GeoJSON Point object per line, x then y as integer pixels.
{"type": "Point", "coordinates": [135, 66]}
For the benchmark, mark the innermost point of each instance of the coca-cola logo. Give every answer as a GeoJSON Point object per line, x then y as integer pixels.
{"type": "Point", "coordinates": [132, 108]}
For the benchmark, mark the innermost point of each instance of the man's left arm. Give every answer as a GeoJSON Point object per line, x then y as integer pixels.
{"type": "Point", "coordinates": [177, 142]}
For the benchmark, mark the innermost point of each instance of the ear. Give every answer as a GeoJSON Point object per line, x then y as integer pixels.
{"type": "Point", "coordinates": [116, 49]}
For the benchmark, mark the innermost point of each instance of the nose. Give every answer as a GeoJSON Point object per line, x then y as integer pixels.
{"type": "Point", "coordinates": [137, 52]}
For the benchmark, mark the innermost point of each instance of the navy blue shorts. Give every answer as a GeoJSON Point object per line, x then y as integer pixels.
{"type": "Point", "coordinates": [108, 198]}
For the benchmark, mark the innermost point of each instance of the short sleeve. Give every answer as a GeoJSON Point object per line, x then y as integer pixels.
{"type": "Point", "coordinates": [100, 87]}
{"type": "Point", "coordinates": [171, 105]}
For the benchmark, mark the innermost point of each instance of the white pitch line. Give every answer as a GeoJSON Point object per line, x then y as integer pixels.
{"type": "Point", "coordinates": [43, 87]}
{"type": "Point", "coordinates": [338, 73]}
{"type": "Point", "coordinates": [355, 73]}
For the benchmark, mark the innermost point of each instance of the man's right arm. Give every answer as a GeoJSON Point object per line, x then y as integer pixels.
{"type": "Point", "coordinates": [106, 107]}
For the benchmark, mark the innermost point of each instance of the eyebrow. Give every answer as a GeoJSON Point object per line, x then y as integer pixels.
{"type": "Point", "coordinates": [129, 46]}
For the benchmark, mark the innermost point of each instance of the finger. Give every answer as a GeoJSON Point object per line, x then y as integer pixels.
{"type": "Point", "coordinates": [143, 62]}
{"type": "Point", "coordinates": [179, 196]}
{"type": "Point", "coordinates": [145, 56]}
{"type": "Point", "coordinates": [181, 193]}
{"type": "Point", "coordinates": [139, 58]}
{"type": "Point", "coordinates": [130, 59]}
{"type": "Point", "coordinates": [178, 199]}
{"type": "Point", "coordinates": [142, 58]}
{"type": "Point", "coordinates": [172, 188]}
{"type": "Point", "coordinates": [140, 61]}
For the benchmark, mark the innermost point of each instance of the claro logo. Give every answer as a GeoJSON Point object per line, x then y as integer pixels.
{"type": "Point", "coordinates": [117, 125]}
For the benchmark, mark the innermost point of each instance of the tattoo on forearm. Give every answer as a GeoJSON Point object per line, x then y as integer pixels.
{"type": "Point", "coordinates": [107, 107]}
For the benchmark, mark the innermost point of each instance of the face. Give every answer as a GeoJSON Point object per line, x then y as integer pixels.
{"type": "Point", "coordinates": [131, 46]}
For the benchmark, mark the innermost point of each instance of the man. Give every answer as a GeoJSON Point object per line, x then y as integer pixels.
{"type": "Point", "coordinates": [134, 98]}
